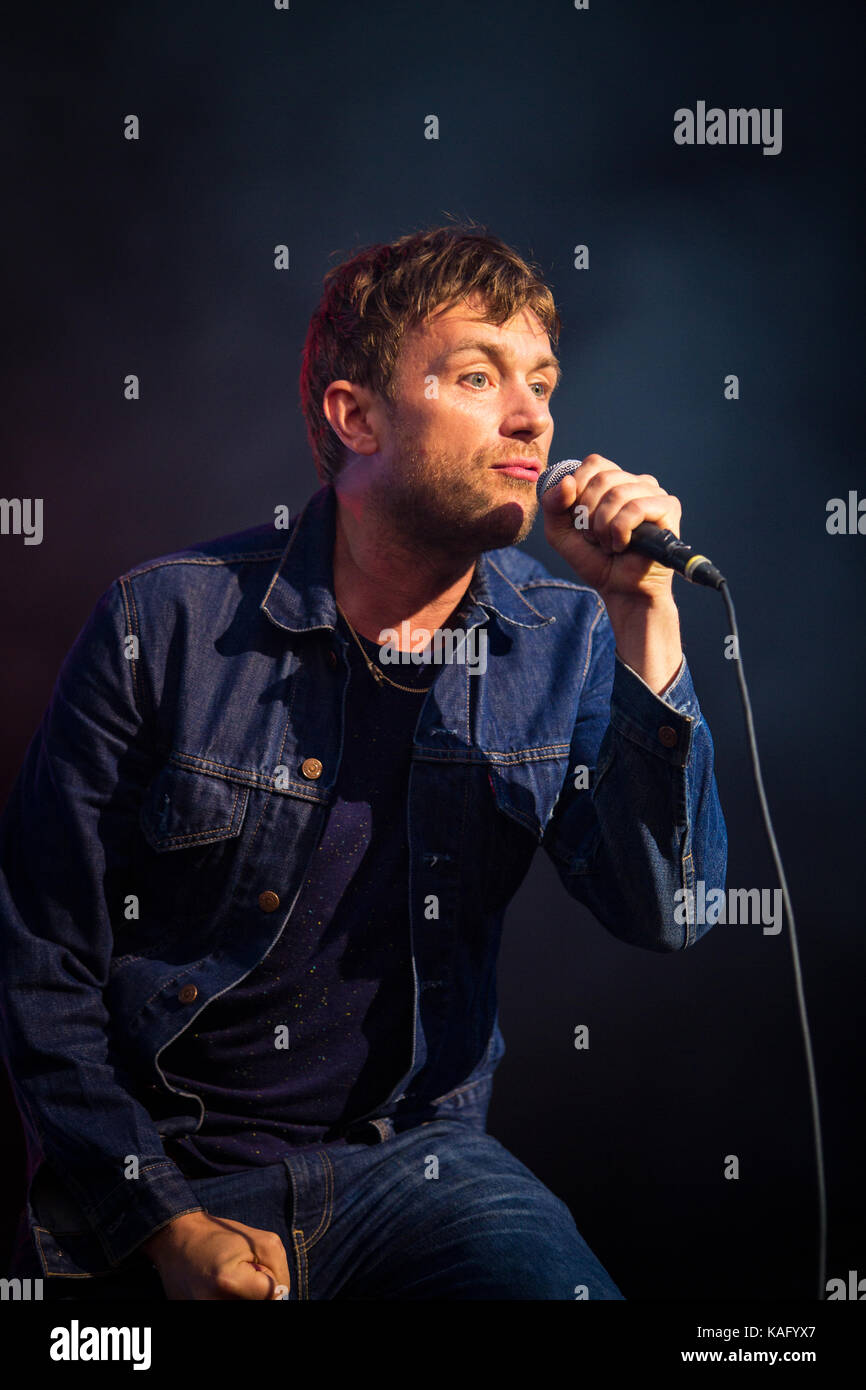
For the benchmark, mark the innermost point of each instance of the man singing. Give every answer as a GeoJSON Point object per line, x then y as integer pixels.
{"type": "Point", "coordinates": [256, 862]}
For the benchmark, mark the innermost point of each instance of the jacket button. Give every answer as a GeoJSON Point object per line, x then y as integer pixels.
{"type": "Point", "coordinates": [312, 768]}
{"type": "Point", "coordinates": [187, 994]}
{"type": "Point", "coordinates": [668, 736]}
{"type": "Point", "coordinates": [268, 901]}
{"type": "Point", "coordinates": [332, 660]}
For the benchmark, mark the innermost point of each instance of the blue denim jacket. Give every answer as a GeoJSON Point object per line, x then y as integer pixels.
{"type": "Point", "coordinates": [187, 759]}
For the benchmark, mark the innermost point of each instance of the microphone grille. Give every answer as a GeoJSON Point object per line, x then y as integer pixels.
{"type": "Point", "coordinates": [554, 474]}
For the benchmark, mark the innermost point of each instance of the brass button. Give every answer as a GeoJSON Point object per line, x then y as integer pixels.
{"type": "Point", "coordinates": [187, 994]}
{"type": "Point", "coordinates": [268, 901]}
{"type": "Point", "coordinates": [332, 660]}
{"type": "Point", "coordinates": [668, 736]}
{"type": "Point", "coordinates": [312, 768]}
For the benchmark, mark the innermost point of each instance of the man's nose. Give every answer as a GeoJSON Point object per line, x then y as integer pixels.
{"type": "Point", "coordinates": [526, 414]}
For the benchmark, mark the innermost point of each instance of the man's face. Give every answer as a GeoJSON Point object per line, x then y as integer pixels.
{"type": "Point", "coordinates": [470, 397]}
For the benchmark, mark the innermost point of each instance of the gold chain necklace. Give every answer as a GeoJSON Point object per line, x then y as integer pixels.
{"type": "Point", "coordinates": [377, 674]}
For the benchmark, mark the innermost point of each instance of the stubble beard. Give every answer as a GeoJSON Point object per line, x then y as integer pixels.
{"type": "Point", "coordinates": [440, 507]}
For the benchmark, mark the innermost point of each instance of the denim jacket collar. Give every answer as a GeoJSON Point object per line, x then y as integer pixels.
{"type": "Point", "coordinates": [300, 595]}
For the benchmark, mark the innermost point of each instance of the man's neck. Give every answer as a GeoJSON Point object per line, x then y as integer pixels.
{"type": "Point", "coordinates": [381, 583]}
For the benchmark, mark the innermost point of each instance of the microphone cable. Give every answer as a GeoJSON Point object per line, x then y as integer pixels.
{"type": "Point", "coordinates": [795, 950]}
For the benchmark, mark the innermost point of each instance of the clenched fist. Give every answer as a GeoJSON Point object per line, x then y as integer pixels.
{"type": "Point", "coordinates": [615, 503]}
{"type": "Point", "coordinates": [199, 1256]}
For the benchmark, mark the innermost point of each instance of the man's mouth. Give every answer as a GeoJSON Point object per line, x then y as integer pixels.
{"type": "Point", "coordinates": [520, 468]}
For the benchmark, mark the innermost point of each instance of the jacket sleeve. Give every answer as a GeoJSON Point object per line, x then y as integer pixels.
{"type": "Point", "coordinates": [62, 842]}
{"type": "Point", "coordinates": [632, 833]}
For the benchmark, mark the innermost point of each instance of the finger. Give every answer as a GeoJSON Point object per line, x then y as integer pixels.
{"type": "Point", "coordinates": [266, 1248]}
{"type": "Point", "coordinates": [593, 487]}
{"type": "Point", "coordinates": [558, 501]}
{"type": "Point", "coordinates": [663, 509]}
{"type": "Point", "coordinates": [596, 463]}
{"type": "Point", "coordinates": [570, 485]}
{"type": "Point", "coordinates": [275, 1287]}
{"type": "Point", "coordinates": [271, 1252]}
{"type": "Point", "coordinates": [244, 1279]}
{"type": "Point", "coordinates": [604, 517]}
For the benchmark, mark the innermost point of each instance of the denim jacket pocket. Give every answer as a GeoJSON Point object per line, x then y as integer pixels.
{"type": "Point", "coordinates": [190, 822]}
{"type": "Point", "coordinates": [527, 785]}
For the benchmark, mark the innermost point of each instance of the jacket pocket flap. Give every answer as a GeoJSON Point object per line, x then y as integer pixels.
{"type": "Point", "coordinates": [184, 808]}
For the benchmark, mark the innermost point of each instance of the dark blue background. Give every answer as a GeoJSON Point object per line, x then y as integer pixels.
{"type": "Point", "coordinates": [556, 128]}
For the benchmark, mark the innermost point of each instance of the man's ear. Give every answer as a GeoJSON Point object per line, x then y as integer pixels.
{"type": "Point", "coordinates": [351, 411]}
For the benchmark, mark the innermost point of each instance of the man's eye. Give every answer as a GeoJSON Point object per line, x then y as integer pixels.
{"type": "Point", "coordinates": [545, 389]}
{"type": "Point", "coordinates": [469, 376]}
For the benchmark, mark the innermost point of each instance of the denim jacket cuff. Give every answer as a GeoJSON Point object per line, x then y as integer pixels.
{"type": "Point", "coordinates": [661, 724]}
{"type": "Point", "coordinates": [133, 1211]}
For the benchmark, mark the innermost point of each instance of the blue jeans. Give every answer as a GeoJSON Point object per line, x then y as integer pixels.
{"type": "Point", "coordinates": [439, 1211]}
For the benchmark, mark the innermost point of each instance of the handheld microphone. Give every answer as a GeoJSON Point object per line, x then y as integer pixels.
{"type": "Point", "coordinates": [656, 542]}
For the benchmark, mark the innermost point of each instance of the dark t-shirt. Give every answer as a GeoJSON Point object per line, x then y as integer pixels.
{"type": "Point", "coordinates": [340, 976]}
